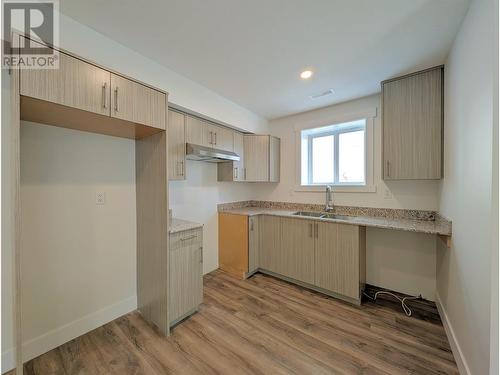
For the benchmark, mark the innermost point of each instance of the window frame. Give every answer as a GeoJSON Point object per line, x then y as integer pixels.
{"type": "Point", "coordinates": [371, 122]}
{"type": "Point", "coordinates": [335, 133]}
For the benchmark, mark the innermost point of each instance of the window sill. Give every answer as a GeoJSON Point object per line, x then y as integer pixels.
{"type": "Point", "coordinates": [337, 188]}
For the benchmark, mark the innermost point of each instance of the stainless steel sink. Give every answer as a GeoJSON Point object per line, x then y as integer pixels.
{"type": "Point", "coordinates": [337, 217]}
{"type": "Point", "coordinates": [323, 215]}
{"type": "Point", "coordinates": [309, 214]}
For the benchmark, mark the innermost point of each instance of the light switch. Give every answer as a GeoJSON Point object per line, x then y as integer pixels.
{"type": "Point", "coordinates": [100, 198]}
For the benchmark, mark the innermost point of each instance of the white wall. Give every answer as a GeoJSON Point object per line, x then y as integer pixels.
{"type": "Point", "coordinates": [78, 258]}
{"type": "Point", "coordinates": [87, 43]}
{"type": "Point", "coordinates": [401, 261]}
{"type": "Point", "coordinates": [197, 197]}
{"type": "Point", "coordinates": [463, 271]}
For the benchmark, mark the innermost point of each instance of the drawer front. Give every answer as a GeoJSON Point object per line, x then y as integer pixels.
{"type": "Point", "coordinates": [185, 238]}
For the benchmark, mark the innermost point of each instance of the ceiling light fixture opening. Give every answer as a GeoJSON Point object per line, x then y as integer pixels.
{"type": "Point", "coordinates": [306, 74]}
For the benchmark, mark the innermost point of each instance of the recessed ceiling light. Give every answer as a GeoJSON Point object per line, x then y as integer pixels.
{"type": "Point", "coordinates": [306, 74]}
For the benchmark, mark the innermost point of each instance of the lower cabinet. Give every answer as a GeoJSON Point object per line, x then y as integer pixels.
{"type": "Point", "coordinates": [326, 256]}
{"type": "Point", "coordinates": [253, 243]}
{"type": "Point", "coordinates": [270, 255]}
{"type": "Point", "coordinates": [339, 260]}
{"type": "Point", "coordinates": [186, 273]}
{"type": "Point", "coordinates": [297, 254]}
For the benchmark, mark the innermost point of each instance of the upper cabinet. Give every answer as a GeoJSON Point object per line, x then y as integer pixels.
{"type": "Point", "coordinates": [195, 131]}
{"type": "Point", "coordinates": [108, 103]}
{"type": "Point", "coordinates": [262, 158]}
{"type": "Point", "coordinates": [135, 102]}
{"type": "Point", "coordinates": [412, 126]}
{"type": "Point", "coordinates": [75, 84]}
{"type": "Point", "coordinates": [233, 170]}
{"type": "Point", "coordinates": [206, 134]}
{"type": "Point", "coordinates": [176, 146]}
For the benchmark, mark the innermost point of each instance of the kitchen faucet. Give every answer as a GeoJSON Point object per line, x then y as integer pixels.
{"type": "Point", "coordinates": [329, 199]}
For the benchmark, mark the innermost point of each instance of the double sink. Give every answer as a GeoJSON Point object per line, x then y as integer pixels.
{"type": "Point", "coordinates": [323, 215]}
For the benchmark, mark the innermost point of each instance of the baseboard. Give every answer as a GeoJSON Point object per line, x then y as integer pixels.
{"type": "Point", "coordinates": [8, 360]}
{"type": "Point", "coordinates": [52, 339]}
{"type": "Point", "coordinates": [463, 368]}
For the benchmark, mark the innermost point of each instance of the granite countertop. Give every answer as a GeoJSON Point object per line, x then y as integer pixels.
{"type": "Point", "coordinates": [180, 225]}
{"type": "Point", "coordinates": [379, 218]}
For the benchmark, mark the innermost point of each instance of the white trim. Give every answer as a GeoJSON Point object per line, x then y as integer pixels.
{"type": "Point", "coordinates": [368, 113]}
{"type": "Point", "coordinates": [336, 188]}
{"type": "Point", "coordinates": [52, 339]}
{"type": "Point", "coordinates": [369, 186]}
{"type": "Point", "coordinates": [463, 368]}
{"type": "Point", "coordinates": [8, 360]}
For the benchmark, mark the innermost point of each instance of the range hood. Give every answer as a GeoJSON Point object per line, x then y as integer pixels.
{"type": "Point", "coordinates": [203, 153]}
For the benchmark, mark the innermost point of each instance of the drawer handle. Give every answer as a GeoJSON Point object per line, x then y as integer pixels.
{"type": "Point", "coordinates": [188, 237]}
{"type": "Point", "coordinates": [116, 99]}
{"type": "Point", "coordinates": [104, 94]}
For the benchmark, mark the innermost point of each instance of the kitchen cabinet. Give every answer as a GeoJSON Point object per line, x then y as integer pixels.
{"type": "Point", "coordinates": [412, 126]}
{"type": "Point", "coordinates": [132, 101]}
{"type": "Point", "coordinates": [297, 255]}
{"type": "Point", "coordinates": [233, 244]}
{"type": "Point", "coordinates": [195, 129]}
{"type": "Point", "coordinates": [270, 249]}
{"type": "Point", "coordinates": [339, 259]}
{"type": "Point", "coordinates": [176, 146]}
{"type": "Point", "coordinates": [233, 170]}
{"type": "Point", "coordinates": [75, 84]}
{"type": "Point", "coordinates": [186, 273]}
{"type": "Point", "coordinates": [253, 243]}
{"type": "Point", "coordinates": [222, 138]}
{"type": "Point", "coordinates": [262, 158]}
{"type": "Point", "coordinates": [206, 134]}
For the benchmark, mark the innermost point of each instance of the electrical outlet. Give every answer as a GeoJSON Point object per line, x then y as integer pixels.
{"type": "Point", "coordinates": [100, 198]}
{"type": "Point", "coordinates": [387, 193]}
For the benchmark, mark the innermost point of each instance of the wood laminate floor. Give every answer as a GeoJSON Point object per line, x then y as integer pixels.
{"type": "Point", "coordinates": [260, 326]}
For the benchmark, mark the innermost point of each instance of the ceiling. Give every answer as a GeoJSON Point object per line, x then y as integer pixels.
{"type": "Point", "coordinates": [252, 52]}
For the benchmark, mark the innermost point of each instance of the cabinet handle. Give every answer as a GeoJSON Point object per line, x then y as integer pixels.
{"type": "Point", "coordinates": [116, 99]}
{"type": "Point", "coordinates": [104, 85]}
{"type": "Point", "coordinates": [188, 237]}
{"type": "Point", "coordinates": [211, 138]}
{"type": "Point", "coordinates": [182, 168]}
{"type": "Point", "coordinates": [215, 133]}
{"type": "Point", "coordinates": [387, 172]}
{"type": "Point", "coordinates": [310, 229]}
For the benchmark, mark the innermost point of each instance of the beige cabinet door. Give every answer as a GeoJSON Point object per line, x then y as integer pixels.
{"type": "Point", "coordinates": [253, 243]}
{"type": "Point", "coordinates": [239, 172]}
{"type": "Point", "coordinates": [297, 255]}
{"type": "Point", "coordinates": [274, 159]}
{"type": "Point", "coordinates": [209, 134]}
{"type": "Point", "coordinates": [270, 255]}
{"type": "Point", "coordinates": [195, 129]}
{"type": "Point", "coordinates": [338, 259]}
{"type": "Point", "coordinates": [176, 146]}
{"type": "Point", "coordinates": [412, 123]}
{"type": "Point", "coordinates": [134, 102]}
{"type": "Point", "coordinates": [75, 84]}
{"type": "Point", "coordinates": [186, 273]}
{"type": "Point", "coordinates": [223, 139]}
{"type": "Point", "coordinates": [256, 150]}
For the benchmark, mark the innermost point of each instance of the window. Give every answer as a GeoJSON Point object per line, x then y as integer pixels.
{"type": "Point", "coordinates": [334, 154]}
